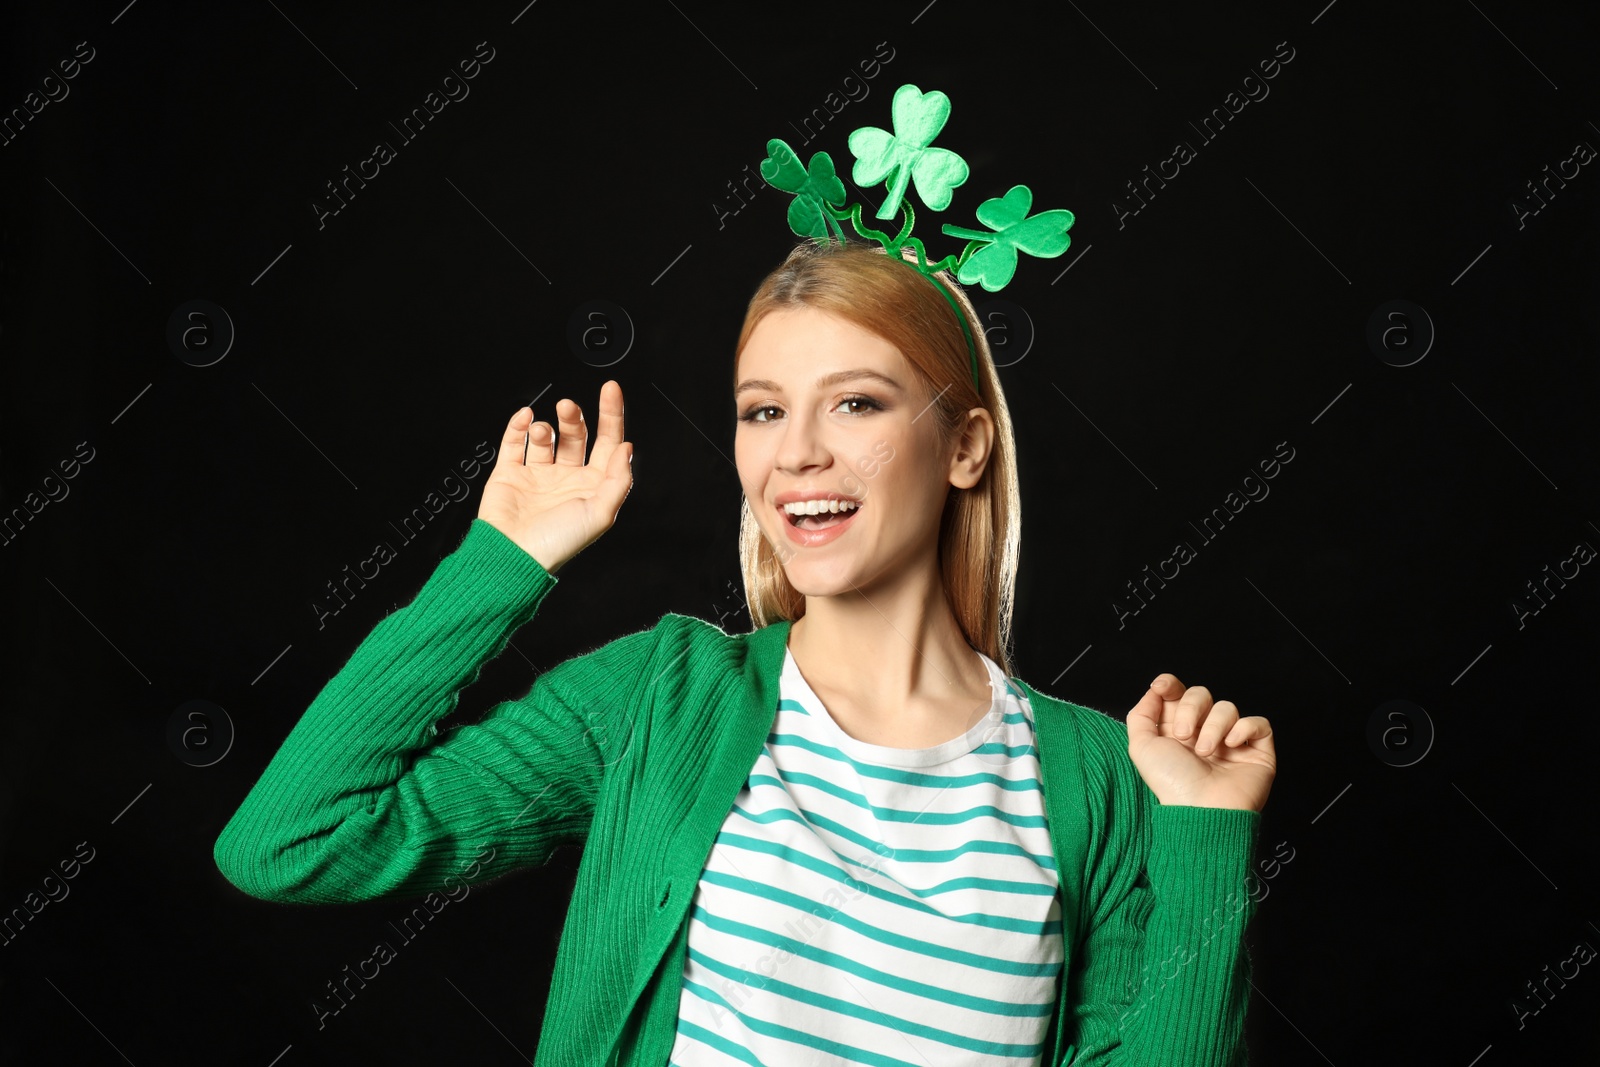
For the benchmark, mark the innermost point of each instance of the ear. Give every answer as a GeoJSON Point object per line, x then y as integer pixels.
{"type": "Point", "coordinates": [973, 448]}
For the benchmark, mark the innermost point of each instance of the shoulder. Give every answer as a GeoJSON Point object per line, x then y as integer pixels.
{"type": "Point", "coordinates": [677, 662]}
{"type": "Point", "coordinates": [700, 637]}
{"type": "Point", "coordinates": [1102, 738]}
{"type": "Point", "coordinates": [682, 652]}
{"type": "Point", "coordinates": [642, 652]}
{"type": "Point", "coordinates": [1113, 792]}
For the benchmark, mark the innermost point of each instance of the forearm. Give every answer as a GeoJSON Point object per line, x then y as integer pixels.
{"type": "Point", "coordinates": [340, 805]}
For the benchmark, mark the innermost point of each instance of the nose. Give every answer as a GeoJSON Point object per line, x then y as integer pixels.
{"type": "Point", "coordinates": [803, 444]}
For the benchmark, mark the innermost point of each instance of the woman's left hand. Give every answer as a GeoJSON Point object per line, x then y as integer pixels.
{"type": "Point", "coordinates": [1190, 751]}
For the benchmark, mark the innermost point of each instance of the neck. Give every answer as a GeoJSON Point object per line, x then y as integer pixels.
{"type": "Point", "coordinates": [889, 650]}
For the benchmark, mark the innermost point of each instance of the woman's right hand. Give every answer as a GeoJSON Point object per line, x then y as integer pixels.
{"type": "Point", "coordinates": [556, 505]}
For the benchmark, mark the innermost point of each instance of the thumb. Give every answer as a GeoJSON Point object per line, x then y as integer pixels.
{"type": "Point", "coordinates": [619, 475]}
{"type": "Point", "coordinates": [1144, 718]}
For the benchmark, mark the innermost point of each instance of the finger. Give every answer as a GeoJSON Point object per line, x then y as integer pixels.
{"type": "Point", "coordinates": [1224, 713]}
{"type": "Point", "coordinates": [574, 440]}
{"type": "Point", "coordinates": [514, 442]}
{"type": "Point", "coordinates": [1167, 687]}
{"type": "Point", "coordinates": [619, 477]}
{"type": "Point", "coordinates": [609, 431]}
{"type": "Point", "coordinates": [539, 443]}
{"type": "Point", "coordinates": [1253, 732]}
{"type": "Point", "coordinates": [1191, 709]}
{"type": "Point", "coordinates": [1144, 719]}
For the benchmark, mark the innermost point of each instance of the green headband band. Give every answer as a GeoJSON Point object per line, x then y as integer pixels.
{"type": "Point", "coordinates": [906, 157]}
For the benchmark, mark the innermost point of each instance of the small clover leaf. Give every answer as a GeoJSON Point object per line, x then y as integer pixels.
{"type": "Point", "coordinates": [994, 264]}
{"type": "Point", "coordinates": [905, 155]}
{"type": "Point", "coordinates": [812, 187]}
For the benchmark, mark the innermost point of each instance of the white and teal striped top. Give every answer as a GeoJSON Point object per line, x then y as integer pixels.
{"type": "Point", "coordinates": [872, 905]}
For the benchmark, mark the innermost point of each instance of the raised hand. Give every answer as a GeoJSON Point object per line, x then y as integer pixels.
{"type": "Point", "coordinates": [1191, 751]}
{"type": "Point", "coordinates": [552, 503]}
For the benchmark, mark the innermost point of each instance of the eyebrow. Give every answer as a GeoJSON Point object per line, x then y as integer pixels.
{"type": "Point", "coordinates": [823, 382]}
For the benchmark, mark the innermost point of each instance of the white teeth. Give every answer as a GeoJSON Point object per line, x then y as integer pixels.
{"type": "Point", "coordinates": [818, 507]}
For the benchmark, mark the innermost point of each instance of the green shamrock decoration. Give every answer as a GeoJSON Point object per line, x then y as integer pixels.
{"type": "Point", "coordinates": [906, 155]}
{"type": "Point", "coordinates": [813, 187]}
{"type": "Point", "coordinates": [993, 264]}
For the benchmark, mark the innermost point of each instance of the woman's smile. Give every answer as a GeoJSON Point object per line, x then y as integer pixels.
{"type": "Point", "coordinates": [811, 530]}
{"type": "Point", "coordinates": [809, 512]}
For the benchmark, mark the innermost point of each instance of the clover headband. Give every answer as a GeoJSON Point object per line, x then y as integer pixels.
{"type": "Point", "coordinates": [907, 157]}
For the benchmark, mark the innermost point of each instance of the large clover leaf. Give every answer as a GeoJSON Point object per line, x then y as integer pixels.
{"type": "Point", "coordinates": [905, 155]}
{"type": "Point", "coordinates": [812, 187]}
{"type": "Point", "coordinates": [994, 264]}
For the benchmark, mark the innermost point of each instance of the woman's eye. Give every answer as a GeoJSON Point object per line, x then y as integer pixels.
{"type": "Point", "coordinates": [865, 401]}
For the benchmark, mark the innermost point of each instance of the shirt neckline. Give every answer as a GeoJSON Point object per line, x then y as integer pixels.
{"type": "Point", "coordinates": [980, 731]}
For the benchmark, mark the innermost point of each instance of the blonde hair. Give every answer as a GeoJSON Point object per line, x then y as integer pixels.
{"type": "Point", "coordinates": [980, 530]}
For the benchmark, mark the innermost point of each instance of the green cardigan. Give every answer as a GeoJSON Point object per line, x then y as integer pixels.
{"type": "Point", "coordinates": [635, 751]}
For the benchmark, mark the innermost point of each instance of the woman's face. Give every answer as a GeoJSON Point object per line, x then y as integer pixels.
{"type": "Point", "coordinates": [828, 409]}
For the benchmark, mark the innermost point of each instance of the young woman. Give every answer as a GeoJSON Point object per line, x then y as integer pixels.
{"type": "Point", "coordinates": [850, 836]}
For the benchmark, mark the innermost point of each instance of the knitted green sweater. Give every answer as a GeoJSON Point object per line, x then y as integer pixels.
{"type": "Point", "coordinates": [636, 751]}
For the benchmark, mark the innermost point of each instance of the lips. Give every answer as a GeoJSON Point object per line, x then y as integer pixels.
{"type": "Point", "coordinates": [811, 537]}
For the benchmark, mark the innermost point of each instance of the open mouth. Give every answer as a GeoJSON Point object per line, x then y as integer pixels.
{"type": "Point", "coordinates": [822, 520]}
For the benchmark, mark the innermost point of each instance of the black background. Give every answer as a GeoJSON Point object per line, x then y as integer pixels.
{"type": "Point", "coordinates": [592, 161]}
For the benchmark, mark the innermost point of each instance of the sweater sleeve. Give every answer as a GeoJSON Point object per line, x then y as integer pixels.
{"type": "Point", "coordinates": [364, 799]}
{"type": "Point", "coordinates": [1161, 973]}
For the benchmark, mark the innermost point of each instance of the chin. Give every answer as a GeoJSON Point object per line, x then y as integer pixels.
{"type": "Point", "coordinates": [807, 582]}
{"type": "Point", "coordinates": [824, 577]}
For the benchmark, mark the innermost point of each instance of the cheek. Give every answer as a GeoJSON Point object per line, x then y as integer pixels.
{"type": "Point", "coordinates": [751, 462]}
{"type": "Point", "coordinates": [879, 468]}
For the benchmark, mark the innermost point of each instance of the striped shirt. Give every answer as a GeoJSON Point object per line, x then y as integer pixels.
{"type": "Point", "coordinates": [874, 905]}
